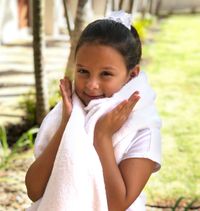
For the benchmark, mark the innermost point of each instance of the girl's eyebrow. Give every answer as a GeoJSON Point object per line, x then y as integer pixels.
{"type": "Point", "coordinates": [103, 68]}
{"type": "Point", "coordinates": [109, 68]}
{"type": "Point", "coordinates": [80, 65]}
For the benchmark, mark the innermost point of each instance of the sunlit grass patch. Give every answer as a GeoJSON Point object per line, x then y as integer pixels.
{"type": "Point", "coordinates": [174, 71]}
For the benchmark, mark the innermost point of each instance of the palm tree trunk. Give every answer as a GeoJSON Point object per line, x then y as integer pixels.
{"type": "Point", "coordinates": [158, 6]}
{"type": "Point", "coordinates": [68, 17]}
{"type": "Point", "coordinates": [38, 47]}
{"type": "Point", "coordinates": [113, 5]}
{"type": "Point", "coordinates": [121, 2]}
{"type": "Point", "coordinates": [82, 17]}
{"type": "Point", "coordinates": [131, 2]}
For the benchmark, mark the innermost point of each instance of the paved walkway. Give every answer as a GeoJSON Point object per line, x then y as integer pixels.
{"type": "Point", "coordinates": [17, 73]}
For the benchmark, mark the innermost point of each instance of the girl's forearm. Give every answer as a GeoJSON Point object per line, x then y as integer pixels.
{"type": "Point", "coordinates": [115, 186]}
{"type": "Point", "coordinates": [39, 172]}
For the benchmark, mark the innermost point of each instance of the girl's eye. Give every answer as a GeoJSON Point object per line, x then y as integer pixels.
{"type": "Point", "coordinates": [106, 73]}
{"type": "Point", "coordinates": [82, 71]}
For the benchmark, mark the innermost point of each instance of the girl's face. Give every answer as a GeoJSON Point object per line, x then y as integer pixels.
{"type": "Point", "coordinates": [100, 72]}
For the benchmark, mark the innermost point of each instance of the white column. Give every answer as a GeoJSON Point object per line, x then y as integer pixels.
{"type": "Point", "coordinates": [49, 17]}
{"type": "Point", "coordinates": [8, 20]}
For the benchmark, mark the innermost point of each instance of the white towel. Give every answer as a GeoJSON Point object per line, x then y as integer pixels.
{"type": "Point", "coordinates": [76, 182]}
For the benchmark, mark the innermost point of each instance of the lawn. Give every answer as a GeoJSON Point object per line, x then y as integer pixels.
{"type": "Point", "coordinates": [173, 66]}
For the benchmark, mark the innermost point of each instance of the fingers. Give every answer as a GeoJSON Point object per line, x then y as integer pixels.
{"type": "Point", "coordinates": [66, 90]}
{"type": "Point", "coordinates": [66, 87]}
{"type": "Point", "coordinates": [133, 99]}
{"type": "Point", "coordinates": [114, 120]}
{"type": "Point", "coordinates": [130, 103]}
{"type": "Point", "coordinates": [66, 93]}
{"type": "Point", "coordinates": [126, 106]}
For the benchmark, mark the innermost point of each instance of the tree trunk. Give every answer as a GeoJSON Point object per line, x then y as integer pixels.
{"type": "Point", "coordinates": [158, 6]}
{"type": "Point", "coordinates": [151, 7]}
{"type": "Point", "coordinates": [144, 8]}
{"type": "Point", "coordinates": [135, 6]}
{"type": "Point", "coordinates": [106, 7]}
{"type": "Point", "coordinates": [120, 4]}
{"type": "Point", "coordinates": [38, 47]}
{"type": "Point", "coordinates": [70, 24]}
{"type": "Point", "coordinates": [113, 5]}
{"type": "Point", "coordinates": [83, 14]}
{"type": "Point", "coordinates": [130, 6]}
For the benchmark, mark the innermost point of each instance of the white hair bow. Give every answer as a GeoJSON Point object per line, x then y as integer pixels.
{"type": "Point", "coordinates": [121, 17]}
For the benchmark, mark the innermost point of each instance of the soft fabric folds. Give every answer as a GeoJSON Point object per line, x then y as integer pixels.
{"type": "Point", "coordinates": [76, 181]}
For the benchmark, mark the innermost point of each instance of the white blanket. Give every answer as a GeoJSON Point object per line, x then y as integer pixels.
{"type": "Point", "coordinates": [76, 182]}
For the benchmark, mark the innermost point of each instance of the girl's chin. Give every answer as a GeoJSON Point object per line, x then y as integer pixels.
{"type": "Point", "coordinates": [85, 101]}
{"type": "Point", "coordinates": [86, 98]}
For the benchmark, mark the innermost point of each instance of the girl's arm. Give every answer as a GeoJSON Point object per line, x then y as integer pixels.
{"type": "Point", "coordinates": [125, 182]}
{"type": "Point", "coordinates": [39, 172]}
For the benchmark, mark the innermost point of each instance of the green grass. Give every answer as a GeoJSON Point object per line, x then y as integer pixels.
{"type": "Point", "coordinates": [173, 68]}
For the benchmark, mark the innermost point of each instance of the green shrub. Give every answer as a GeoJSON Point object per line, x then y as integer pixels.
{"type": "Point", "coordinates": [28, 104]}
{"type": "Point", "coordinates": [4, 149]}
{"type": "Point", "coordinates": [187, 207]}
{"type": "Point", "coordinates": [25, 142]}
{"type": "Point", "coordinates": [142, 24]}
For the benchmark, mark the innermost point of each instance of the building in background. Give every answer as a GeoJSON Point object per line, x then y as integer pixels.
{"type": "Point", "coordinates": [16, 20]}
{"type": "Point", "coordinates": [16, 15]}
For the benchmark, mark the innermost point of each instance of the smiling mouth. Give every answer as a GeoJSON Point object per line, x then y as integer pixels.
{"type": "Point", "coordinates": [92, 97]}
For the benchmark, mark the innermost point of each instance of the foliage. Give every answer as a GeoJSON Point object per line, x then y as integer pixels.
{"type": "Point", "coordinates": [54, 93]}
{"type": "Point", "coordinates": [26, 141]}
{"type": "Point", "coordinates": [190, 204]}
{"type": "Point", "coordinates": [4, 149]}
{"type": "Point", "coordinates": [173, 70]}
{"type": "Point", "coordinates": [142, 25]}
{"type": "Point", "coordinates": [187, 207]}
{"type": "Point", "coordinates": [28, 102]}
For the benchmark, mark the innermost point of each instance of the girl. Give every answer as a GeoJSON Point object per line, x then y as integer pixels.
{"type": "Point", "coordinates": [97, 150]}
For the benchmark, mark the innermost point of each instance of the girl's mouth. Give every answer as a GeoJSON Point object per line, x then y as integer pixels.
{"type": "Point", "coordinates": [93, 97]}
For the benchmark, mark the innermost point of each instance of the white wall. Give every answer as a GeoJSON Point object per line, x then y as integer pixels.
{"type": "Point", "coordinates": [180, 4]}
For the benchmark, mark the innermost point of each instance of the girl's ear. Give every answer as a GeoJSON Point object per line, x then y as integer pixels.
{"type": "Point", "coordinates": [135, 71]}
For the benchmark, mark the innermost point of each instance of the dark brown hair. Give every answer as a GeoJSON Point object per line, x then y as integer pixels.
{"type": "Point", "coordinates": [114, 34]}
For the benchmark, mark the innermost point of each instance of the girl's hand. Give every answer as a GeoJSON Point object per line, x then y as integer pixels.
{"type": "Point", "coordinates": [111, 122]}
{"type": "Point", "coordinates": [66, 93]}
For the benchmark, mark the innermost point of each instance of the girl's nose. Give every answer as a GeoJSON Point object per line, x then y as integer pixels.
{"type": "Point", "coordinates": [92, 84]}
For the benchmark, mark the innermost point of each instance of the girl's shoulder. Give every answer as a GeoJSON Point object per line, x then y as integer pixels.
{"type": "Point", "coordinates": [146, 144]}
